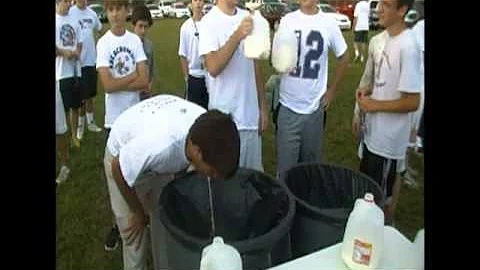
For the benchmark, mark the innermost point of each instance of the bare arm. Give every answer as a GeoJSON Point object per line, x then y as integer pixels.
{"type": "Point", "coordinates": [128, 193]}
{"type": "Point", "coordinates": [407, 102]}
{"type": "Point", "coordinates": [111, 84]}
{"type": "Point", "coordinates": [340, 66]}
{"type": "Point", "coordinates": [262, 105]}
{"type": "Point", "coordinates": [216, 61]}
{"type": "Point", "coordinates": [139, 220]}
{"type": "Point", "coordinates": [184, 66]}
{"type": "Point", "coordinates": [141, 81]}
{"type": "Point", "coordinates": [354, 23]}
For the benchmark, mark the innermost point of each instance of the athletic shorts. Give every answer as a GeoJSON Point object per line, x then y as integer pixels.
{"type": "Point", "coordinates": [359, 36]}
{"type": "Point", "coordinates": [70, 90]}
{"type": "Point", "coordinates": [89, 82]}
{"type": "Point", "coordinates": [382, 170]}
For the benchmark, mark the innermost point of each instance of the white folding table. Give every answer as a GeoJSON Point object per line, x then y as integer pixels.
{"type": "Point", "coordinates": [399, 254]}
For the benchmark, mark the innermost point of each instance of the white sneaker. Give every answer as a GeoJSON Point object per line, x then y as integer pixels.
{"type": "Point", "coordinates": [93, 128]}
{"type": "Point", "coordinates": [63, 174]}
{"type": "Point", "coordinates": [80, 131]}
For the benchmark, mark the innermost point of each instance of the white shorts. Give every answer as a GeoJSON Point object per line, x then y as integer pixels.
{"type": "Point", "coordinates": [60, 121]}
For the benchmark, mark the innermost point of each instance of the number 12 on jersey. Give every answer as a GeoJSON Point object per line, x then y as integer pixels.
{"type": "Point", "coordinates": [314, 42]}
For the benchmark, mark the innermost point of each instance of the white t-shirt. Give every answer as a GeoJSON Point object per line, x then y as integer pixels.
{"type": "Point", "coordinates": [151, 136]}
{"type": "Point", "coordinates": [188, 47]}
{"type": "Point", "coordinates": [302, 88]}
{"type": "Point", "coordinates": [419, 30]}
{"type": "Point", "coordinates": [120, 55]}
{"type": "Point", "coordinates": [67, 35]}
{"type": "Point", "coordinates": [387, 134]}
{"type": "Point", "coordinates": [88, 20]}
{"type": "Point", "coordinates": [234, 90]}
{"type": "Point", "coordinates": [362, 13]}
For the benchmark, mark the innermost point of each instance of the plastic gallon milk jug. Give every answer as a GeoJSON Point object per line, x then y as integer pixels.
{"type": "Point", "coordinates": [419, 249]}
{"type": "Point", "coordinates": [220, 256]}
{"type": "Point", "coordinates": [362, 246]}
{"type": "Point", "coordinates": [257, 43]}
{"type": "Point", "coordinates": [284, 50]}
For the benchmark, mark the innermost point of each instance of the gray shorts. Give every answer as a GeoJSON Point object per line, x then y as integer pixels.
{"type": "Point", "coordinates": [250, 150]}
{"type": "Point", "coordinates": [298, 138]}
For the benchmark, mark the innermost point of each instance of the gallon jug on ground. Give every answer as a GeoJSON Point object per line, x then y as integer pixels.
{"type": "Point", "coordinates": [257, 43]}
{"type": "Point", "coordinates": [220, 256]}
{"type": "Point", "coordinates": [362, 246]}
{"type": "Point", "coordinates": [284, 50]}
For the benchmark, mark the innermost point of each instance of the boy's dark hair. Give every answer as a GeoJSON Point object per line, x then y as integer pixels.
{"type": "Point", "coordinates": [217, 136]}
{"type": "Point", "coordinates": [407, 3]}
{"type": "Point", "coordinates": [141, 13]}
{"type": "Point", "coordinates": [113, 3]}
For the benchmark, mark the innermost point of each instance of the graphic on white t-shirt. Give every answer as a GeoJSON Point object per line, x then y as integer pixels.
{"type": "Point", "coordinates": [310, 67]}
{"type": "Point", "coordinates": [67, 35]}
{"type": "Point", "coordinates": [121, 61]}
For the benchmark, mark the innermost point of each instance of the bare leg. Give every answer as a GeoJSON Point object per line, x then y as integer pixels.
{"type": "Point", "coordinates": [73, 126]}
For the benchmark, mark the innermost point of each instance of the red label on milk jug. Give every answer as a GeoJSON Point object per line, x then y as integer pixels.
{"type": "Point", "coordinates": [361, 252]}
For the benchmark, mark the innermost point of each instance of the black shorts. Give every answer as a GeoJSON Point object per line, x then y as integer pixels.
{"type": "Point", "coordinates": [360, 36]}
{"type": "Point", "coordinates": [71, 93]}
{"type": "Point", "coordinates": [382, 170]}
{"type": "Point", "coordinates": [89, 82]}
{"type": "Point", "coordinates": [197, 91]}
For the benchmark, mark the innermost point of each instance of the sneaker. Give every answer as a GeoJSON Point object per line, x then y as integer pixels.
{"type": "Point", "coordinates": [93, 128]}
{"type": "Point", "coordinates": [63, 174]}
{"type": "Point", "coordinates": [80, 131]}
{"type": "Point", "coordinates": [112, 239]}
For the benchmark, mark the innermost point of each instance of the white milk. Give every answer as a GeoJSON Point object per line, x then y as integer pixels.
{"type": "Point", "coordinates": [362, 246]}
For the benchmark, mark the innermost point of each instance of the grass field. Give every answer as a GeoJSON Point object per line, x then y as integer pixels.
{"type": "Point", "coordinates": [82, 212]}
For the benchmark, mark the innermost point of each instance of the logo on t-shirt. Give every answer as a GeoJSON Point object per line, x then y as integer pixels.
{"type": "Point", "coordinates": [122, 61]}
{"type": "Point", "coordinates": [85, 23]}
{"type": "Point", "coordinates": [67, 35]}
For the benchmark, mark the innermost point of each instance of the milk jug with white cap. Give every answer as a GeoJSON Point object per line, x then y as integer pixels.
{"type": "Point", "coordinates": [257, 44]}
{"type": "Point", "coordinates": [362, 246]}
{"type": "Point", "coordinates": [284, 50]}
{"type": "Point", "coordinates": [220, 256]}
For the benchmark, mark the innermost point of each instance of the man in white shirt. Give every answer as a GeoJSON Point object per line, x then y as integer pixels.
{"type": "Point", "coordinates": [68, 47]}
{"type": "Point", "coordinates": [304, 93]}
{"type": "Point", "coordinates": [395, 92]}
{"type": "Point", "coordinates": [235, 83]}
{"type": "Point", "coordinates": [360, 28]}
{"type": "Point", "coordinates": [162, 135]}
{"type": "Point", "coordinates": [190, 61]}
{"type": "Point", "coordinates": [121, 65]}
{"type": "Point", "coordinates": [89, 22]}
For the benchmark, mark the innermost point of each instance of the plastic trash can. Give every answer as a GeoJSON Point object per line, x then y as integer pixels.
{"type": "Point", "coordinates": [252, 212]}
{"type": "Point", "coordinates": [325, 196]}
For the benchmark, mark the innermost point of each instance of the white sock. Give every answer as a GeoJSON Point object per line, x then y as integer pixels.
{"type": "Point", "coordinates": [356, 53]}
{"type": "Point", "coordinates": [81, 120]}
{"type": "Point", "coordinates": [89, 117]}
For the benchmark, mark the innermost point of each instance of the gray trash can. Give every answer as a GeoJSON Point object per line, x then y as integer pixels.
{"type": "Point", "coordinates": [325, 196]}
{"type": "Point", "coordinates": [252, 212]}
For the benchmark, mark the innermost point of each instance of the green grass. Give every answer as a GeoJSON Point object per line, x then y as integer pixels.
{"type": "Point", "coordinates": [83, 214]}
